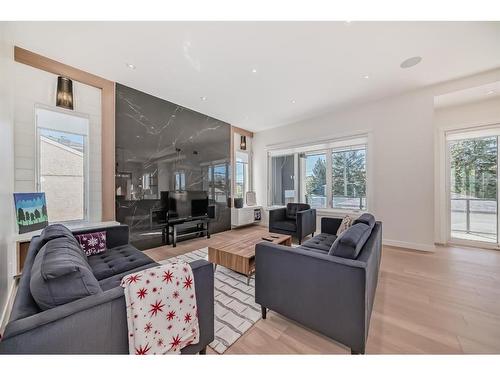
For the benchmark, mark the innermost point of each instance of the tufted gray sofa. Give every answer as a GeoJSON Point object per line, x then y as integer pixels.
{"type": "Point", "coordinates": [95, 323]}
{"type": "Point", "coordinates": [328, 283]}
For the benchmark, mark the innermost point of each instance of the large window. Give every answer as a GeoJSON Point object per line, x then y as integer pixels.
{"type": "Point", "coordinates": [315, 179]}
{"type": "Point", "coordinates": [282, 179]}
{"type": "Point", "coordinates": [330, 175]}
{"type": "Point", "coordinates": [62, 163]}
{"type": "Point", "coordinates": [349, 178]}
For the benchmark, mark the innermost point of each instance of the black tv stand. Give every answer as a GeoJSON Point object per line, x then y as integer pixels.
{"type": "Point", "coordinates": [179, 228]}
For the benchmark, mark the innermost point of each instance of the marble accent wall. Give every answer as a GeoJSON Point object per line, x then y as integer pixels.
{"type": "Point", "coordinates": [162, 146]}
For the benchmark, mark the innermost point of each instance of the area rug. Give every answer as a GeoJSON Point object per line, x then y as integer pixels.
{"type": "Point", "coordinates": [235, 307]}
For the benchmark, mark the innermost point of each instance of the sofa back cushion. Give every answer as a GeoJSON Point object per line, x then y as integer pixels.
{"type": "Point", "coordinates": [61, 274]}
{"type": "Point", "coordinates": [292, 208]}
{"type": "Point", "coordinates": [54, 231]}
{"type": "Point", "coordinates": [367, 219]}
{"type": "Point", "coordinates": [351, 241]}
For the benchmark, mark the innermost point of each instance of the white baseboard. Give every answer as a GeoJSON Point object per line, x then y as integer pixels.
{"type": "Point", "coordinates": [410, 245]}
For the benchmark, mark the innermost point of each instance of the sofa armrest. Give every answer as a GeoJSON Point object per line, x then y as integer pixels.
{"type": "Point", "coordinates": [323, 292]}
{"type": "Point", "coordinates": [116, 235]}
{"type": "Point", "coordinates": [277, 214]}
{"type": "Point", "coordinates": [330, 225]}
{"type": "Point", "coordinates": [204, 284]}
{"type": "Point", "coordinates": [94, 324]}
{"type": "Point", "coordinates": [306, 222]}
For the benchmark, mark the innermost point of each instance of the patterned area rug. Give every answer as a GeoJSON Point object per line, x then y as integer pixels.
{"type": "Point", "coordinates": [235, 307]}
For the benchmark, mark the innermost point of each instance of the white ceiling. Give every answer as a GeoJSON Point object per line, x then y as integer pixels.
{"type": "Point", "coordinates": [318, 65]}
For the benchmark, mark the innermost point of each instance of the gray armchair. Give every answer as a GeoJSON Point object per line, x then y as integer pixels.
{"type": "Point", "coordinates": [296, 219]}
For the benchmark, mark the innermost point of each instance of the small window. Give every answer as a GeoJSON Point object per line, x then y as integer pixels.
{"type": "Point", "coordinates": [62, 172]}
{"type": "Point", "coordinates": [180, 181]}
{"type": "Point", "coordinates": [242, 182]}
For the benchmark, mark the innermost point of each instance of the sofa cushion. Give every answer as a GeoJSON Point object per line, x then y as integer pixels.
{"type": "Point", "coordinates": [61, 274]}
{"type": "Point", "coordinates": [115, 280]}
{"type": "Point", "coordinates": [367, 219]}
{"type": "Point", "coordinates": [117, 260]}
{"type": "Point", "coordinates": [351, 241]}
{"type": "Point", "coordinates": [292, 208]}
{"type": "Point", "coordinates": [287, 225]}
{"type": "Point", "coordinates": [92, 242]}
{"type": "Point", "coordinates": [322, 241]}
{"type": "Point", "coordinates": [54, 231]}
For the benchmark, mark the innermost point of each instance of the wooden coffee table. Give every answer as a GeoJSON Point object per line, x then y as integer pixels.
{"type": "Point", "coordinates": [239, 255]}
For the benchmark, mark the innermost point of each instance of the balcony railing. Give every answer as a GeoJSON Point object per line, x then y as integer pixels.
{"type": "Point", "coordinates": [474, 216]}
{"type": "Point", "coordinates": [342, 202]}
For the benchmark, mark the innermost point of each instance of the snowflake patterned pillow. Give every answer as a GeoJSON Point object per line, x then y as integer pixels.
{"type": "Point", "coordinates": [92, 243]}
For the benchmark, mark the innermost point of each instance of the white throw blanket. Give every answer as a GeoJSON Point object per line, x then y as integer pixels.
{"type": "Point", "coordinates": [162, 316]}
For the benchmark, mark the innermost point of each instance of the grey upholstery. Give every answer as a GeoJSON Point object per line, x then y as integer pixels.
{"type": "Point", "coordinates": [322, 241]}
{"type": "Point", "coordinates": [293, 208]}
{"type": "Point", "coordinates": [350, 242]}
{"type": "Point", "coordinates": [367, 219]}
{"type": "Point", "coordinates": [296, 219]}
{"type": "Point", "coordinates": [116, 261]}
{"type": "Point", "coordinates": [61, 274]}
{"type": "Point", "coordinates": [329, 294]}
{"type": "Point", "coordinates": [95, 324]}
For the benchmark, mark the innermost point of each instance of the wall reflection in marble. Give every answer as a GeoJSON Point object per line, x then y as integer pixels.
{"type": "Point", "coordinates": [161, 146]}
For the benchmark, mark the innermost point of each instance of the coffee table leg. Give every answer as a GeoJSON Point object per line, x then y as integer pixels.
{"type": "Point", "coordinates": [215, 266]}
{"type": "Point", "coordinates": [248, 280]}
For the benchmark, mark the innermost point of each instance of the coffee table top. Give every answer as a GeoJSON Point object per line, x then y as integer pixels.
{"type": "Point", "coordinates": [245, 246]}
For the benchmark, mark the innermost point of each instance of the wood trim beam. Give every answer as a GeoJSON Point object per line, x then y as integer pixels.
{"type": "Point", "coordinates": [241, 131]}
{"type": "Point", "coordinates": [107, 88]}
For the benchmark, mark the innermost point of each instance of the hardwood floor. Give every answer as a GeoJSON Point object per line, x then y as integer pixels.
{"type": "Point", "coordinates": [447, 302]}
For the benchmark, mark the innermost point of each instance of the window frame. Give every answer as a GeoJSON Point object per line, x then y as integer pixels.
{"type": "Point", "coordinates": [326, 146]}
{"type": "Point", "coordinates": [86, 156]}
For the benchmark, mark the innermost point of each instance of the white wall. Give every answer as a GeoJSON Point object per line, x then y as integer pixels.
{"type": "Point", "coordinates": [6, 173]}
{"type": "Point", "coordinates": [34, 86]}
{"type": "Point", "coordinates": [401, 156]}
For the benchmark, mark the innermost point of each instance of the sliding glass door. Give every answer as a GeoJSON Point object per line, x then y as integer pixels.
{"type": "Point", "coordinates": [473, 186]}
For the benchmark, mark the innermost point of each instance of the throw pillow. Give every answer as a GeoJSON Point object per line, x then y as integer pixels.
{"type": "Point", "coordinates": [344, 225]}
{"type": "Point", "coordinates": [92, 243]}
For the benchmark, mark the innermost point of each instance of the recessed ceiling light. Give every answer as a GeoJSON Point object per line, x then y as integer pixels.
{"type": "Point", "coordinates": [203, 98]}
{"type": "Point", "coordinates": [491, 92]}
{"type": "Point", "coordinates": [412, 61]}
{"type": "Point", "coordinates": [293, 101]}
{"type": "Point", "coordinates": [254, 70]}
{"type": "Point", "coordinates": [130, 66]}
{"type": "Point", "coordinates": [366, 76]}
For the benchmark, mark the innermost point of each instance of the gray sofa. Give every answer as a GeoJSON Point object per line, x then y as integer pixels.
{"type": "Point", "coordinates": [95, 323]}
{"type": "Point", "coordinates": [327, 284]}
{"type": "Point", "coordinates": [296, 219]}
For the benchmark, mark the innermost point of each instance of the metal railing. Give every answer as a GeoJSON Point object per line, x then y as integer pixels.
{"type": "Point", "coordinates": [345, 202]}
{"type": "Point", "coordinates": [484, 206]}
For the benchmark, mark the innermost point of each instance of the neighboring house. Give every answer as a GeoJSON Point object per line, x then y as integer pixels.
{"type": "Point", "coordinates": [61, 178]}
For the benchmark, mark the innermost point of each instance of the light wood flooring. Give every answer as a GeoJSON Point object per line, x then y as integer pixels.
{"type": "Point", "coordinates": [447, 302]}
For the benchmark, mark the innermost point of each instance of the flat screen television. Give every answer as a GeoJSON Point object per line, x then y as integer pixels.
{"type": "Point", "coordinates": [184, 205]}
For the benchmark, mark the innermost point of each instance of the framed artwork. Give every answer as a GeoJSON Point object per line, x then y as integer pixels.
{"type": "Point", "coordinates": [31, 211]}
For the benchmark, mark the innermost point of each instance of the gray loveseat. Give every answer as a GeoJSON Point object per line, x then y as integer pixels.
{"type": "Point", "coordinates": [96, 323]}
{"type": "Point", "coordinates": [327, 284]}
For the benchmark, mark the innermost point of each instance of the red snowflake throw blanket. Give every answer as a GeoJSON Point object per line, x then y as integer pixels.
{"type": "Point", "coordinates": [161, 309]}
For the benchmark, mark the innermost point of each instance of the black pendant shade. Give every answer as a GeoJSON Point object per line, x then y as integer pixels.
{"type": "Point", "coordinates": [64, 97]}
{"type": "Point", "coordinates": [243, 142]}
